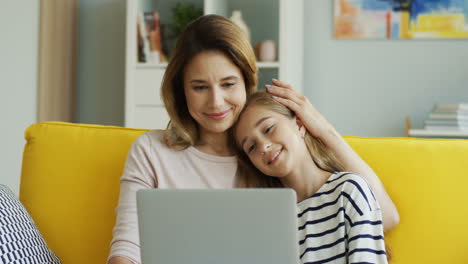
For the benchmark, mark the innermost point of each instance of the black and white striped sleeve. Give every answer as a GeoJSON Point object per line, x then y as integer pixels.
{"type": "Point", "coordinates": [365, 235]}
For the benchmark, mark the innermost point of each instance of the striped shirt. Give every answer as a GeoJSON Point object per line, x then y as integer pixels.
{"type": "Point", "coordinates": [341, 223]}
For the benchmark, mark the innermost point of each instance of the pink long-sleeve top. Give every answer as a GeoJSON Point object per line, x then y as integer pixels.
{"type": "Point", "coordinates": [151, 164]}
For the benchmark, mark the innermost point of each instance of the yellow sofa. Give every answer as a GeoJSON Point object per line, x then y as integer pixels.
{"type": "Point", "coordinates": [70, 186]}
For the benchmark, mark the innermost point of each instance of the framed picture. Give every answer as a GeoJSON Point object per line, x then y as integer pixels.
{"type": "Point", "coordinates": [400, 19]}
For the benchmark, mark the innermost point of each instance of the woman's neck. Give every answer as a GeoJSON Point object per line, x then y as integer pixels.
{"type": "Point", "coordinates": [306, 179]}
{"type": "Point", "coordinates": [214, 144]}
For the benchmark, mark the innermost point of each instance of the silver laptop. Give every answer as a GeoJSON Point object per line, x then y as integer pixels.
{"type": "Point", "coordinates": [237, 226]}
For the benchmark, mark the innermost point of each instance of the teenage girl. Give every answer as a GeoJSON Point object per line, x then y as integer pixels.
{"type": "Point", "coordinates": [339, 218]}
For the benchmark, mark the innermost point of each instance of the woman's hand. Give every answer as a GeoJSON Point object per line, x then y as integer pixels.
{"type": "Point", "coordinates": [313, 121]}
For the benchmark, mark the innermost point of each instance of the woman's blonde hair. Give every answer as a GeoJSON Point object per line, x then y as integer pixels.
{"type": "Point", "coordinates": [248, 176]}
{"type": "Point", "coordinates": [207, 33]}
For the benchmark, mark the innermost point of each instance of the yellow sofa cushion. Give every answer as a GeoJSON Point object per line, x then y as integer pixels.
{"type": "Point", "coordinates": [427, 179]}
{"type": "Point", "coordinates": [70, 186]}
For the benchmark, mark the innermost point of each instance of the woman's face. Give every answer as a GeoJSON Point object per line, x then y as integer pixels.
{"type": "Point", "coordinates": [215, 91]}
{"type": "Point", "coordinates": [273, 142]}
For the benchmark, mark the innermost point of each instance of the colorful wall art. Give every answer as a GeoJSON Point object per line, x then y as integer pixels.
{"type": "Point", "coordinates": [401, 19]}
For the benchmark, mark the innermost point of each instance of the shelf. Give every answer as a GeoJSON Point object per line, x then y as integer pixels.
{"type": "Point", "coordinates": [266, 65]}
{"type": "Point", "coordinates": [433, 133]}
{"type": "Point", "coordinates": [261, 65]}
{"type": "Point", "coordinates": [438, 133]}
{"type": "Point", "coordinates": [151, 65]}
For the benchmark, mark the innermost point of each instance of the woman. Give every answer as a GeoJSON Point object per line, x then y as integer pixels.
{"type": "Point", "coordinates": [212, 70]}
{"type": "Point", "coordinates": [340, 220]}
{"type": "Point", "coordinates": [210, 74]}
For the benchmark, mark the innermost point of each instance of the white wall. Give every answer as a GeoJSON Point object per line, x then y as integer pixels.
{"type": "Point", "coordinates": [19, 27]}
{"type": "Point", "coordinates": [368, 87]}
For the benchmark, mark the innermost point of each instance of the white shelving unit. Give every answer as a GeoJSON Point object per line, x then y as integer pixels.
{"type": "Point", "coordinates": [280, 20]}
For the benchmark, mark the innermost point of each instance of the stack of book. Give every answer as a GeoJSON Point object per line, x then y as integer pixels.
{"type": "Point", "coordinates": [448, 117]}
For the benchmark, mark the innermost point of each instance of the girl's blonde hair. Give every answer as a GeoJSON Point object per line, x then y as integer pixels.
{"type": "Point", "coordinates": [207, 33]}
{"type": "Point", "coordinates": [248, 176]}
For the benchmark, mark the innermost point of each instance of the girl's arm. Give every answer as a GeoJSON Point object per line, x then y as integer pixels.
{"type": "Point", "coordinates": [319, 127]}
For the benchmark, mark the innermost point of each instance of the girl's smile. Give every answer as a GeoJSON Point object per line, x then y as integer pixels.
{"type": "Point", "coordinates": [274, 156]}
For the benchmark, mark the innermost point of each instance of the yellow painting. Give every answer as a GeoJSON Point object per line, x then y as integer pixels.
{"type": "Point", "coordinates": [400, 19]}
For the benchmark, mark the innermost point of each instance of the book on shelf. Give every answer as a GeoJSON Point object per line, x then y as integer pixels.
{"type": "Point", "coordinates": [144, 48]}
{"type": "Point", "coordinates": [451, 107]}
{"type": "Point", "coordinates": [445, 122]}
{"type": "Point", "coordinates": [457, 112]}
{"type": "Point", "coordinates": [451, 128]}
{"type": "Point", "coordinates": [140, 45]}
{"type": "Point", "coordinates": [149, 28]}
{"type": "Point", "coordinates": [449, 116]}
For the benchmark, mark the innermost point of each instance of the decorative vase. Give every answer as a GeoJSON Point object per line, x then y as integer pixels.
{"type": "Point", "coordinates": [236, 17]}
{"type": "Point", "coordinates": [266, 51]}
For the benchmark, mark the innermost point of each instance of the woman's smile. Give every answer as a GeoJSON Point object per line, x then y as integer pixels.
{"type": "Point", "coordinates": [218, 115]}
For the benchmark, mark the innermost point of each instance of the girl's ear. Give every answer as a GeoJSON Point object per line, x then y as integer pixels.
{"type": "Point", "coordinates": [300, 127]}
{"type": "Point", "coordinates": [302, 131]}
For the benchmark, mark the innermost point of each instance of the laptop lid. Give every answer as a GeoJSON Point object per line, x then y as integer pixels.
{"type": "Point", "coordinates": [218, 226]}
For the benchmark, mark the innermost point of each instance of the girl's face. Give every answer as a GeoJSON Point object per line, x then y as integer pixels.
{"type": "Point", "coordinates": [215, 91]}
{"type": "Point", "coordinates": [273, 142]}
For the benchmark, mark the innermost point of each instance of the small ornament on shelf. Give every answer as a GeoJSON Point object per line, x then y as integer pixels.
{"type": "Point", "coordinates": [236, 17]}
{"type": "Point", "coordinates": [265, 51]}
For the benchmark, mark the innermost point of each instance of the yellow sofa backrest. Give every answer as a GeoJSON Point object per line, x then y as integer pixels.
{"type": "Point", "coordinates": [70, 186]}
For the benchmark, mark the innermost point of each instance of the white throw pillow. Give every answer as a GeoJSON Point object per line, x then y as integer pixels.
{"type": "Point", "coordinates": [20, 240]}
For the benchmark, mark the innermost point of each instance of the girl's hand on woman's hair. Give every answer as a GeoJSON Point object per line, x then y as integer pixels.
{"type": "Point", "coordinates": [313, 121]}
